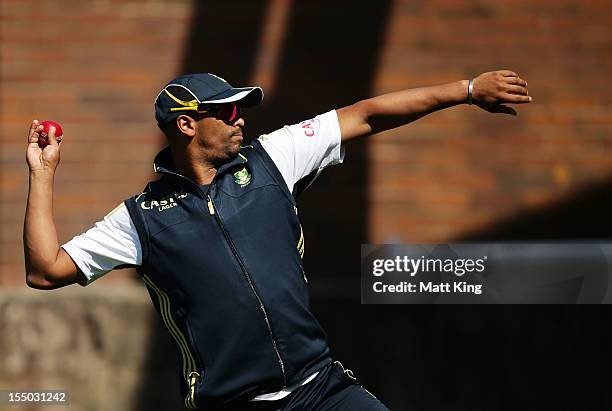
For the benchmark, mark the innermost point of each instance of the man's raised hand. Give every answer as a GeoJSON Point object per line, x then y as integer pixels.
{"type": "Point", "coordinates": [42, 160]}
{"type": "Point", "coordinates": [494, 89]}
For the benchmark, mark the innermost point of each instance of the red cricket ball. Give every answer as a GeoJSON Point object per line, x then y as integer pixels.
{"type": "Point", "coordinates": [44, 134]}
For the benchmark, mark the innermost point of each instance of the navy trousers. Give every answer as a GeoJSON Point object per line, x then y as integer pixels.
{"type": "Point", "coordinates": [333, 389]}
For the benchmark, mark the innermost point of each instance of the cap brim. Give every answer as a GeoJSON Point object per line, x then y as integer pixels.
{"type": "Point", "coordinates": [244, 97]}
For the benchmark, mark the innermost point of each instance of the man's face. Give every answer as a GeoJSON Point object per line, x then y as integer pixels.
{"type": "Point", "coordinates": [220, 138]}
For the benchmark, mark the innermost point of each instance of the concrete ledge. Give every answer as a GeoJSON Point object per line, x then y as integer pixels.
{"type": "Point", "coordinates": [101, 343]}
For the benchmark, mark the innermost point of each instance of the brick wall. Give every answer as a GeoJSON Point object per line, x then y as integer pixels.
{"type": "Point", "coordinates": [95, 67]}
{"type": "Point", "coordinates": [464, 169]}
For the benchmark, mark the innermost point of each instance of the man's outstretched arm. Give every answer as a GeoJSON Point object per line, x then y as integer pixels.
{"type": "Point", "coordinates": [47, 265]}
{"type": "Point", "coordinates": [490, 92]}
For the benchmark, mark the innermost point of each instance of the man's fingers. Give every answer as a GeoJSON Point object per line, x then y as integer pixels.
{"type": "Point", "coordinates": [512, 89]}
{"type": "Point", "coordinates": [34, 134]}
{"type": "Point", "coordinates": [51, 137]}
{"type": "Point", "coordinates": [508, 73]}
{"type": "Point", "coordinates": [32, 131]}
{"type": "Point", "coordinates": [516, 98]}
{"type": "Point", "coordinates": [516, 80]}
{"type": "Point", "coordinates": [32, 127]}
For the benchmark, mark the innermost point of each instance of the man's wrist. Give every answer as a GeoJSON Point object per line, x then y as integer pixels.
{"type": "Point", "coordinates": [42, 174]}
{"type": "Point", "coordinates": [458, 92]}
{"type": "Point", "coordinates": [465, 84]}
{"type": "Point", "coordinates": [451, 94]}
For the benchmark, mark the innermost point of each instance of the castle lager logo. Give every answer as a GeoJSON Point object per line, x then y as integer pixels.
{"type": "Point", "coordinates": [164, 203]}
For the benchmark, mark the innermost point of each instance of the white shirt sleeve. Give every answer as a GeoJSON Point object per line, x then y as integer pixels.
{"type": "Point", "coordinates": [300, 149]}
{"type": "Point", "coordinates": [112, 242]}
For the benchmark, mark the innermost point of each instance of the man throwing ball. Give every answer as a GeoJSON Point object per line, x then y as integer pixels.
{"type": "Point", "coordinates": [217, 239]}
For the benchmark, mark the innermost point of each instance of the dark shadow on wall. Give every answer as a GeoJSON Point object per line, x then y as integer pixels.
{"type": "Point", "coordinates": [224, 39]}
{"type": "Point", "coordinates": [328, 61]}
{"type": "Point", "coordinates": [159, 382]}
{"type": "Point", "coordinates": [583, 215]}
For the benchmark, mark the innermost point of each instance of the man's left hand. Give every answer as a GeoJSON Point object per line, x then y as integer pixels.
{"type": "Point", "coordinates": [494, 89]}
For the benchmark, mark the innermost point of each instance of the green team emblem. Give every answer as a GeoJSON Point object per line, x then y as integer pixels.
{"type": "Point", "coordinates": [242, 177]}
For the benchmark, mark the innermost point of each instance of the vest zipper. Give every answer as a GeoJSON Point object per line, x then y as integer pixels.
{"type": "Point", "coordinates": [194, 376]}
{"type": "Point", "coordinates": [211, 210]}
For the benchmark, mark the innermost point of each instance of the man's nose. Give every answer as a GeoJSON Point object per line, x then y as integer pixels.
{"type": "Point", "coordinates": [239, 122]}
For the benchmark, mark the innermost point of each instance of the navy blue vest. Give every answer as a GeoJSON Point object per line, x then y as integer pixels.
{"type": "Point", "coordinates": [223, 266]}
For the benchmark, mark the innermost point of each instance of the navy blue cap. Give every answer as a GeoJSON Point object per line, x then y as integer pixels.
{"type": "Point", "coordinates": [185, 93]}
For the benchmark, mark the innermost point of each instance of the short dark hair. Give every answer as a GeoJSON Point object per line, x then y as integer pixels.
{"type": "Point", "coordinates": [170, 129]}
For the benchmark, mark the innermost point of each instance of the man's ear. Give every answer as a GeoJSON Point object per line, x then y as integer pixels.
{"type": "Point", "coordinates": [186, 125]}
